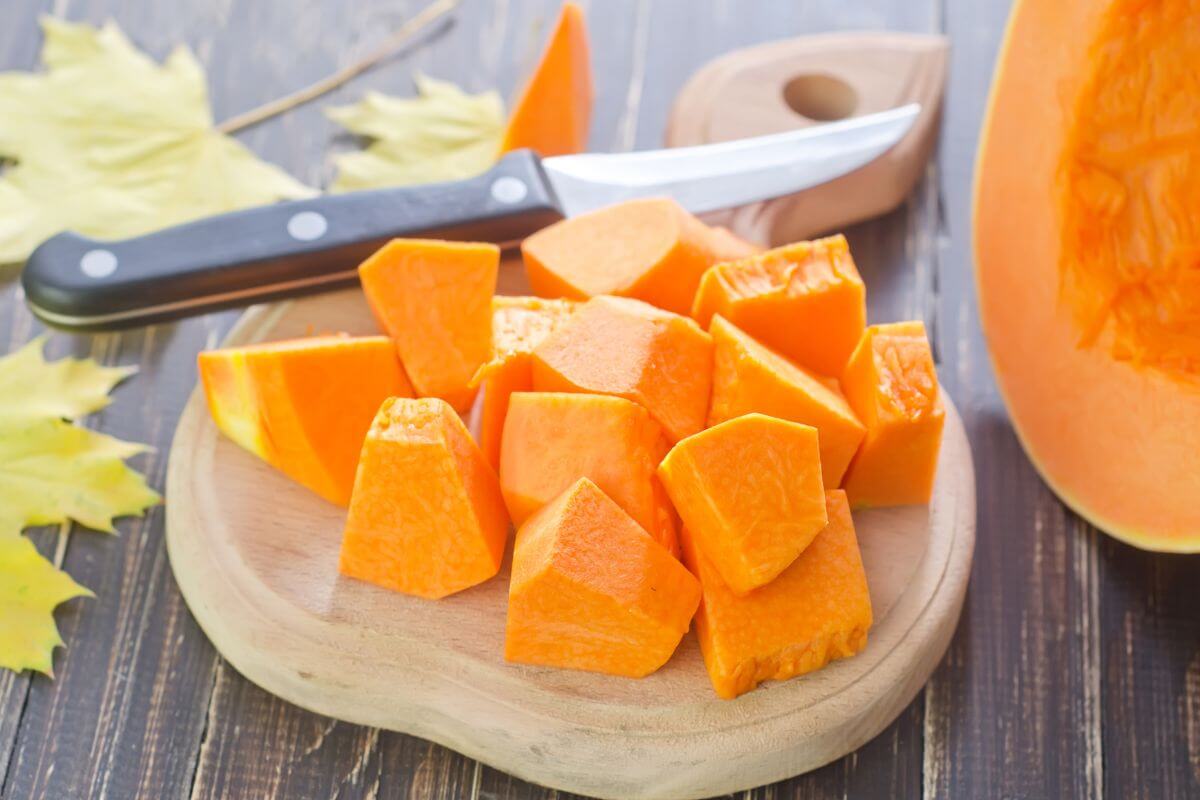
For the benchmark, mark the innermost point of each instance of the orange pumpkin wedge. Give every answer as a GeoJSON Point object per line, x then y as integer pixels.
{"type": "Point", "coordinates": [434, 299]}
{"type": "Point", "coordinates": [804, 300]}
{"type": "Point", "coordinates": [426, 517]}
{"type": "Point", "coordinates": [748, 377]}
{"type": "Point", "coordinates": [749, 490]}
{"type": "Point", "coordinates": [817, 610]}
{"type": "Point", "coordinates": [518, 325]}
{"type": "Point", "coordinates": [305, 405]}
{"type": "Point", "coordinates": [652, 250]}
{"type": "Point", "coordinates": [627, 348]}
{"type": "Point", "coordinates": [554, 110]}
{"type": "Point", "coordinates": [892, 386]}
{"type": "Point", "coordinates": [551, 440]}
{"type": "Point", "coordinates": [591, 591]}
{"type": "Point", "coordinates": [1086, 230]}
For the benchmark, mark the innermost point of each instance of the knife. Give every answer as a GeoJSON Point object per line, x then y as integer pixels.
{"type": "Point", "coordinates": [301, 246]}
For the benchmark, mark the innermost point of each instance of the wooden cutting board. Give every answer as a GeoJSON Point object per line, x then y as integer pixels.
{"type": "Point", "coordinates": [255, 556]}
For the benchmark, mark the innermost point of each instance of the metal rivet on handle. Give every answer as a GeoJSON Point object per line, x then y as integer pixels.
{"type": "Point", "coordinates": [98, 263]}
{"type": "Point", "coordinates": [306, 226]}
{"type": "Point", "coordinates": [509, 190]}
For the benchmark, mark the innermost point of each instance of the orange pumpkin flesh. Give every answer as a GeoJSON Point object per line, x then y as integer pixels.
{"type": "Point", "coordinates": [804, 300]}
{"type": "Point", "coordinates": [627, 348]}
{"type": "Point", "coordinates": [518, 325]}
{"type": "Point", "coordinates": [304, 406]}
{"type": "Point", "coordinates": [891, 384]}
{"type": "Point", "coordinates": [750, 492]}
{"type": "Point", "coordinates": [650, 249]}
{"type": "Point", "coordinates": [434, 299]}
{"type": "Point", "coordinates": [426, 517]}
{"type": "Point", "coordinates": [552, 440]}
{"type": "Point", "coordinates": [817, 610]}
{"type": "Point", "coordinates": [590, 590]}
{"type": "Point", "coordinates": [555, 108]}
{"type": "Point", "coordinates": [1087, 242]}
{"type": "Point", "coordinates": [748, 377]}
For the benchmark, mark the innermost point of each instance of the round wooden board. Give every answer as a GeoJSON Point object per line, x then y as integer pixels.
{"type": "Point", "coordinates": [255, 556]}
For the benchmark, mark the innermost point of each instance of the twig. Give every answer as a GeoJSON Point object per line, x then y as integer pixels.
{"type": "Point", "coordinates": [406, 32]}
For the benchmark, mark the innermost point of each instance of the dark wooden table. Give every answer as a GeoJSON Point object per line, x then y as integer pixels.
{"type": "Point", "coordinates": [1075, 670]}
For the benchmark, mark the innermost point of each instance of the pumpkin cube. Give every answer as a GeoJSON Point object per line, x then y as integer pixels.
{"type": "Point", "coordinates": [627, 348]}
{"type": "Point", "coordinates": [434, 299]}
{"type": "Point", "coordinates": [426, 517]}
{"type": "Point", "coordinates": [750, 492]}
{"type": "Point", "coordinates": [650, 249]}
{"type": "Point", "coordinates": [518, 325]}
{"type": "Point", "coordinates": [304, 406]}
{"type": "Point", "coordinates": [804, 300]}
{"type": "Point", "coordinates": [817, 610]}
{"type": "Point", "coordinates": [591, 591]}
{"type": "Point", "coordinates": [552, 439]}
{"type": "Point", "coordinates": [749, 377]}
{"type": "Point", "coordinates": [892, 385]}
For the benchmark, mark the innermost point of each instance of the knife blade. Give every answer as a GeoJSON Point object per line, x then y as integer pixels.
{"type": "Point", "coordinates": [270, 252]}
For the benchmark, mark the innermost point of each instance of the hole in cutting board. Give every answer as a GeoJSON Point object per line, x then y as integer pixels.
{"type": "Point", "coordinates": [819, 97]}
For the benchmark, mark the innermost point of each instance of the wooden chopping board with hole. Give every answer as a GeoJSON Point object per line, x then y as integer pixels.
{"type": "Point", "coordinates": [255, 556]}
{"type": "Point", "coordinates": [794, 83]}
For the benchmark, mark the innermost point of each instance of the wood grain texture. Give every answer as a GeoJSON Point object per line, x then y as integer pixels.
{"type": "Point", "coordinates": [1115, 711]}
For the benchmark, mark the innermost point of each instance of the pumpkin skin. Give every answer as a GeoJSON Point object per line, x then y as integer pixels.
{"type": "Point", "coordinates": [1085, 175]}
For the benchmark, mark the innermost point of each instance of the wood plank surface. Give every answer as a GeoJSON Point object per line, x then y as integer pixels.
{"type": "Point", "coordinates": [1075, 671]}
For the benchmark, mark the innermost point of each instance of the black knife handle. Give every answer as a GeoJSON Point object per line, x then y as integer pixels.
{"type": "Point", "coordinates": [273, 251]}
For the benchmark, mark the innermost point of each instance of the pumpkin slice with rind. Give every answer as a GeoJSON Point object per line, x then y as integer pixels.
{"type": "Point", "coordinates": [1086, 232]}
{"type": "Point", "coordinates": [304, 405]}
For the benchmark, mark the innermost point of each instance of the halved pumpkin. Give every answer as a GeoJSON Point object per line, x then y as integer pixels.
{"type": "Point", "coordinates": [1087, 250]}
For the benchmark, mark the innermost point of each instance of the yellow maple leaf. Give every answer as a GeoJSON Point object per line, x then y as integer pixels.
{"type": "Point", "coordinates": [108, 143]}
{"type": "Point", "coordinates": [30, 589]}
{"type": "Point", "coordinates": [33, 388]}
{"type": "Point", "coordinates": [53, 472]}
{"type": "Point", "coordinates": [441, 134]}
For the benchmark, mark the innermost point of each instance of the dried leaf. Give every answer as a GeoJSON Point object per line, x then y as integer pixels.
{"type": "Point", "coordinates": [52, 471]}
{"type": "Point", "coordinates": [110, 144]}
{"type": "Point", "coordinates": [33, 388]}
{"type": "Point", "coordinates": [441, 134]}
{"type": "Point", "coordinates": [30, 589]}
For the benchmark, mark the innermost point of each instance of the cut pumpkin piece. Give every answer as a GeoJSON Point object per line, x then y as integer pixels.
{"type": "Point", "coordinates": [434, 299]}
{"type": "Point", "coordinates": [551, 440]}
{"type": "Point", "coordinates": [426, 517]}
{"type": "Point", "coordinates": [554, 110]}
{"type": "Point", "coordinates": [804, 300]}
{"type": "Point", "coordinates": [649, 249]}
{"type": "Point", "coordinates": [305, 405]}
{"type": "Point", "coordinates": [518, 325]}
{"type": "Point", "coordinates": [892, 385]}
{"type": "Point", "coordinates": [1087, 235]}
{"type": "Point", "coordinates": [816, 611]}
{"type": "Point", "coordinates": [749, 377]}
{"type": "Point", "coordinates": [749, 490]}
{"type": "Point", "coordinates": [627, 348]}
{"type": "Point", "coordinates": [591, 591]}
